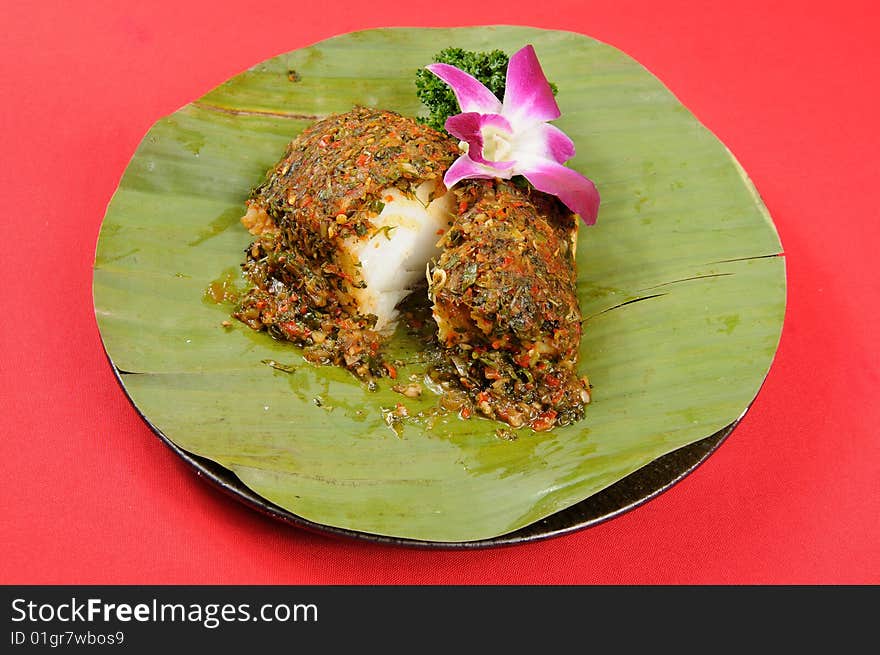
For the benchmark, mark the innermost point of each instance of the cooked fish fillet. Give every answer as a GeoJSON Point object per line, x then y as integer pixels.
{"type": "Point", "coordinates": [346, 221]}
{"type": "Point", "coordinates": [393, 258]}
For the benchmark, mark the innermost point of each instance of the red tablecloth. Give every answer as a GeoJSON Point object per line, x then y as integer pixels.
{"type": "Point", "coordinates": [90, 495]}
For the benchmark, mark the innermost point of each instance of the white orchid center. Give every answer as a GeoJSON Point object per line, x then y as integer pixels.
{"type": "Point", "coordinates": [497, 143]}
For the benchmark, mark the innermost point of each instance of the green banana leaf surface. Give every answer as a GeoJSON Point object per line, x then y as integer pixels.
{"type": "Point", "coordinates": [680, 285]}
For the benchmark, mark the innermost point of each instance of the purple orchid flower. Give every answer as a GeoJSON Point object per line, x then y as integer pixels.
{"type": "Point", "coordinates": [513, 137]}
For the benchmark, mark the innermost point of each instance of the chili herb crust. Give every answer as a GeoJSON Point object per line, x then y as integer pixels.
{"type": "Point", "coordinates": [505, 302]}
{"type": "Point", "coordinates": [502, 291]}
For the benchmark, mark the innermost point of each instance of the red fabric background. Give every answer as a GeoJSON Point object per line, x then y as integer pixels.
{"type": "Point", "coordinates": [90, 495]}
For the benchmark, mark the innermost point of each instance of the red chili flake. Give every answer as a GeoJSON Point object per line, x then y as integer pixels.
{"type": "Point", "coordinates": [392, 372]}
{"type": "Point", "coordinates": [362, 159]}
{"type": "Point", "coordinates": [465, 412]}
{"type": "Point", "coordinates": [294, 330]}
{"type": "Point", "coordinates": [552, 381]}
{"type": "Point", "coordinates": [482, 397]}
{"type": "Point", "coordinates": [440, 232]}
{"type": "Point", "coordinates": [544, 421]}
{"type": "Point", "coordinates": [389, 198]}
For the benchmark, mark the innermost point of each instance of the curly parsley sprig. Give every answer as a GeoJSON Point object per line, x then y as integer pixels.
{"type": "Point", "coordinates": [488, 67]}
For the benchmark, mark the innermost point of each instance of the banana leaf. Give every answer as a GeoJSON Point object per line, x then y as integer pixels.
{"type": "Point", "coordinates": [680, 283]}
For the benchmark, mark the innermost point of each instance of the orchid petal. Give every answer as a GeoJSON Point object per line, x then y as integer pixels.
{"type": "Point", "coordinates": [577, 192]}
{"type": "Point", "coordinates": [471, 94]}
{"type": "Point", "coordinates": [528, 97]}
{"type": "Point", "coordinates": [469, 127]}
{"type": "Point", "coordinates": [560, 147]}
{"type": "Point", "coordinates": [543, 141]}
{"type": "Point", "coordinates": [466, 168]}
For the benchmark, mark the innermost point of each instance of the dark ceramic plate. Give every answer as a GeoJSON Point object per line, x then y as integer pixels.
{"type": "Point", "coordinates": [680, 287]}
